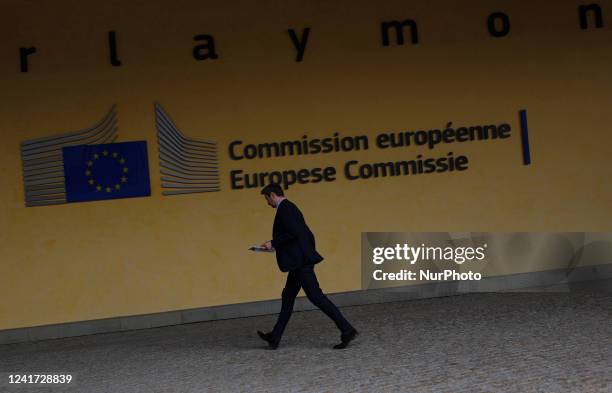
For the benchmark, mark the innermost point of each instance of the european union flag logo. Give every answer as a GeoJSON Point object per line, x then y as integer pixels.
{"type": "Point", "coordinates": [106, 171]}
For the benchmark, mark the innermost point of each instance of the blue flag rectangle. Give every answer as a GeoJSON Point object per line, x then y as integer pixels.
{"type": "Point", "coordinates": [106, 171]}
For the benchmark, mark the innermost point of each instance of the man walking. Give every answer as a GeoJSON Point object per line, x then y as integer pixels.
{"type": "Point", "coordinates": [294, 244]}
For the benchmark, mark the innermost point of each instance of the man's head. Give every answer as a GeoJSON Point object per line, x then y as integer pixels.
{"type": "Point", "coordinates": [273, 194]}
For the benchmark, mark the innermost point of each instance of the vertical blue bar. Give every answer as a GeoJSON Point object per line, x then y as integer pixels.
{"type": "Point", "coordinates": [525, 137]}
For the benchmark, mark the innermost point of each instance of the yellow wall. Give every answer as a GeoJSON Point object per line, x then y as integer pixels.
{"type": "Point", "coordinates": [93, 260]}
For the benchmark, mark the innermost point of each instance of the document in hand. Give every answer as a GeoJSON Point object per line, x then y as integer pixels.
{"type": "Point", "coordinates": [260, 249]}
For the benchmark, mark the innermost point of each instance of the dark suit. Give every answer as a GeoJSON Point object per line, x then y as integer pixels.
{"type": "Point", "coordinates": [292, 239]}
{"type": "Point", "coordinates": [295, 252]}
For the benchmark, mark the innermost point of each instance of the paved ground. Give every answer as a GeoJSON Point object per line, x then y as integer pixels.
{"type": "Point", "coordinates": [513, 342]}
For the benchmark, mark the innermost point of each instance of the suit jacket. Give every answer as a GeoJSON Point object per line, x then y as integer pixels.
{"type": "Point", "coordinates": [292, 239]}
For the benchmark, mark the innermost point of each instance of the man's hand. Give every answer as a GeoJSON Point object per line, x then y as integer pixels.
{"type": "Point", "coordinates": [267, 245]}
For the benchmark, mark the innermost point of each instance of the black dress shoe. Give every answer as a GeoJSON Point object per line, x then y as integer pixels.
{"type": "Point", "coordinates": [272, 343]}
{"type": "Point", "coordinates": [346, 339]}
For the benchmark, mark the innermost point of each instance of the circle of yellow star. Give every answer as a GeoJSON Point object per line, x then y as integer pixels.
{"type": "Point", "coordinates": [108, 188]}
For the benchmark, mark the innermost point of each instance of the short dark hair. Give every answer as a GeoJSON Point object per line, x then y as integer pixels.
{"type": "Point", "coordinates": [272, 188]}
